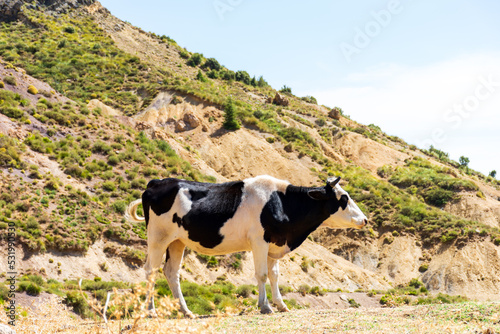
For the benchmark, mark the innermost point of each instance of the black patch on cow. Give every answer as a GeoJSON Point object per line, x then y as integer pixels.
{"type": "Point", "coordinates": [215, 204]}
{"type": "Point", "coordinates": [176, 219]}
{"type": "Point", "coordinates": [212, 206]}
{"type": "Point", "coordinates": [344, 199]}
{"type": "Point", "coordinates": [159, 196]}
{"type": "Point", "coordinates": [289, 218]}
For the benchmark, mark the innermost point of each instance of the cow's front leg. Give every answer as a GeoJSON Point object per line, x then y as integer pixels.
{"type": "Point", "coordinates": [175, 252]}
{"type": "Point", "coordinates": [260, 251]}
{"type": "Point", "coordinates": [273, 270]}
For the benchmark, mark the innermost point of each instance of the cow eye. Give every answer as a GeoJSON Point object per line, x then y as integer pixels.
{"type": "Point", "coordinates": [343, 201]}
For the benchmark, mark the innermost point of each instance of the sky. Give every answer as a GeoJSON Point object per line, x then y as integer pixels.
{"type": "Point", "coordinates": [424, 70]}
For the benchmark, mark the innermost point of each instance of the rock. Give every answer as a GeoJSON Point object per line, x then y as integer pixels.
{"type": "Point", "coordinates": [191, 120]}
{"type": "Point", "coordinates": [160, 134]}
{"type": "Point", "coordinates": [180, 126]}
{"type": "Point", "coordinates": [280, 100]}
{"type": "Point", "coordinates": [140, 125]}
{"type": "Point", "coordinates": [344, 298]}
{"type": "Point", "coordinates": [335, 113]}
{"type": "Point", "coordinates": [4, 329]}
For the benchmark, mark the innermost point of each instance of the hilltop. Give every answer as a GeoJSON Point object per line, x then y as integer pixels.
{"type": "Point", "coordinates": [93, 108]}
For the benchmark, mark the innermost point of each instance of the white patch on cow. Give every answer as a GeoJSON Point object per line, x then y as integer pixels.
{"type": "Point", "coordinates": [237, 231]}
{"type": "Point", "coordinates": [161, 227]}
{"type": "Point", "coordinates": [245, 224]}
{"type": "Point", "coordinates": [351, 216]}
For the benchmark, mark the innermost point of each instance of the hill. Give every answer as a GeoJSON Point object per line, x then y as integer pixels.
{"type": "Point", "coordinates": [92, 108]}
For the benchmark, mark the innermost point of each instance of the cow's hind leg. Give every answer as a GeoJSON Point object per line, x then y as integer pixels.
{"type": "Point", "coordinates": [260, 251]}
{"type": "Point", "coordinates": [153, 261]}
{"type": "Point", "coordinates": [175, 252]}
{"type": "Point", "coordinates": [273, 271]}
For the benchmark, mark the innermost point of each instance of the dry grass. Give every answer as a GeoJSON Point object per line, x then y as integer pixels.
{"type": "Point", "coordinates": [449, 318]}
{"type": "Point", "coordinates": [128, 312]}
{"type": "Point", "coordinates": [471, 317]}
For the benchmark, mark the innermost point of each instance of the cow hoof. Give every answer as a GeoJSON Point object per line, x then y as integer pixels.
{"type": "Point", "coordinates": [152, 314]}
{"type": "Point", "coordinates": [283, 309]}
{"type": "Point", "coordinates": [189, 315]}
{"type": "Point", "coordinates": [266, 310]}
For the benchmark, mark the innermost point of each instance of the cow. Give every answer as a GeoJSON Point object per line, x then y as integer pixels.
{"type": "Point", "coordinates": [265, 215]}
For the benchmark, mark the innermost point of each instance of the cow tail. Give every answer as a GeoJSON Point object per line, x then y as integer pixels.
{"type": "Point", "coordinates": [131, 212]}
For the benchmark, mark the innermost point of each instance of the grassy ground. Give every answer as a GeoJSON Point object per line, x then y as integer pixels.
{"type": "Point", "coordinates": [470, 317]}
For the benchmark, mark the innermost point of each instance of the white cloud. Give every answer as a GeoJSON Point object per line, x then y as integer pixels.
{"type": "Point", "coordinates": [419, 104]}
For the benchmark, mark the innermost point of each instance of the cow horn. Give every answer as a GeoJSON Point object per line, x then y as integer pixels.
{"type": "Point", "coordinates": [333, 182]}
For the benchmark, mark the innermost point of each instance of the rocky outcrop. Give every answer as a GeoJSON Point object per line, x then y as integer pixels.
{"type": "Point", "coordinates": [191, 120]}
{"type": "Point", "coordinates": [279, 100]}
{"type": "Point", "coordinates": [334, 113]}
{"type": "Point", "coordinates": [180, 126]}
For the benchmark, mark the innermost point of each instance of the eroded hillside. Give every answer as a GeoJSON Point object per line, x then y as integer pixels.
{"type": "Point", "coordinates": [114, 106]}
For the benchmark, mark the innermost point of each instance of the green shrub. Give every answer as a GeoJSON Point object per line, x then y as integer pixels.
{"type": "Point", "coordinates": [449, 236]}
{"type": "Point", "coordinates": [201, 77]}
{"type": "Point", "coordinates": [33, 289]}
{"type": "Point", "coordinates": [245, 290]}
{"type": "Point", "coordinates": [101, 147]}
{"type": "Point", "coordinates": [32, 90]}
{"type": "Point", "coordinates": [79, 304]}
{"type": "Point", "coordinates": [109, 186]}
{"type": "Point", "coordinates": [423, 268]}
{"type": "Point", "coordinates": [10, 80]}
{"type": "Point", "coordinates": [353, 303]}
{"type": "Point", "coordinates": [119, 206]}
{"type": "Point", "coordinates": [230, 121]}
{"type": "Point", "coordinates": [309, 99]}
{"type": "Point", "coordinates": [317, 291]}
{"type": "Point", "coordinates": [286, 89]}
{"type": "Point", "coordinates": [304, 289]}
{"type": "Point", "coordinates": [195, 60]}
{"type": "Point", "coordinates": [69, 30]}
{"type": "Point", "coordinates": [415, 283]}
{"type": "Point", "coordinates": [212, 64]}
{"type": "Point", "coordinates": [113, 160]}
{"type": "Point", "coordinates": [438, 196]}
{"type": "Point", "coordinates": [11, 112]}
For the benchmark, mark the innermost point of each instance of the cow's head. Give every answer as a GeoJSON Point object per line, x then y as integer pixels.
{"type": "Point", "coordinates": [344, 213]}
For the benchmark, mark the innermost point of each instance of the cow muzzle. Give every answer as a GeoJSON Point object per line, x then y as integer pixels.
{"type": "Point", "coordinates": [362, 224]}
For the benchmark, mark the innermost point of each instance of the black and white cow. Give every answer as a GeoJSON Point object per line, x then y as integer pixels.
{"type": "Point", "coordinates": [267, 216]}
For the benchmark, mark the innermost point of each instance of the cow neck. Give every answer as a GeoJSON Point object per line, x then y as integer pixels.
{"type": "Point", "coordinates": [304, 213]}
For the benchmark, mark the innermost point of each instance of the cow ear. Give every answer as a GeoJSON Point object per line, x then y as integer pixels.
{"type": "Point", "coordinates": [332, 182]}
{"type": "Point", "coordinates": [317, 194]}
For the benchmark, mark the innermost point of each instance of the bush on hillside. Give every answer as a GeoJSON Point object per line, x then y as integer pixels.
{"type": "Point", "coordinates": [195, 60]}
{"type": "Point", "coordinates": [213, 64]}
{"type": "Point", "coordinates": [32, 90]}
{"type": "Point", "coordinates": [230, 121]}
{"type": "Point", "coordinates": [10, 80]}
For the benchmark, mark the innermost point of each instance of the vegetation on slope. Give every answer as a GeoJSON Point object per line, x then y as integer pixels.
{"type": "Point", "coordinates": [79, 59]}
{"type": "Point", "coordinates": [114, 161]}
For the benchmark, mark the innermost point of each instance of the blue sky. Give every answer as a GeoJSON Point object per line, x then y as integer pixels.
{"type": "Point", "coordinates": [426, 71]}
